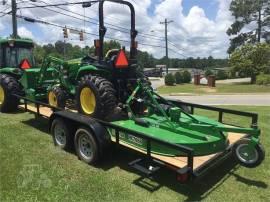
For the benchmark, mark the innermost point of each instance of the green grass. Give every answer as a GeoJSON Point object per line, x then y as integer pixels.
{"type": "Point", "coordinates": [32, 169]}
{"type": "Point", "coordinates": [220, 88]}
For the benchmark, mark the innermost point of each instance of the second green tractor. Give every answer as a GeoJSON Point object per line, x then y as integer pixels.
{"type": "Point", "coordinates": [95, 85]}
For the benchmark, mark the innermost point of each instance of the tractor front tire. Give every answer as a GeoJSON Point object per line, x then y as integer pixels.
{"type": "Point", "coordinates": [95, 97]}
{"type": "Point", "coordinates": [8, 87]}
{"type": "Point", "coordinates": [57, 97]}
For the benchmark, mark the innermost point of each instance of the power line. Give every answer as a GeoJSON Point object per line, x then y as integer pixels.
{"type": "Point", "coordinates": [111, 26]}
{"type": "Point", "coordinates": [4, 14]}
{"type": "Point", "coordinates": [178, 53]}
{"type": "Point", "coordinates": [85, 32]}
{"type": "Point", "coordinates": [179, 49]}
{"type": "Point", "coordinates": [61, 4]}
{"type": "Point", "coordinates": [3, 11]}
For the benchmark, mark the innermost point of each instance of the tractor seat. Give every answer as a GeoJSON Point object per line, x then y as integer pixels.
{"type": "Point", "coordinates": [111, 55]}
{"type": "Point", "coordinates": [88, 60]}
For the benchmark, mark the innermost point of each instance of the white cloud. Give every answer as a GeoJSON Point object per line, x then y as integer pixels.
{"type": "Point", "coordinates": [194, 34]}
{"type": "Point", "coordinates": [24, 32]}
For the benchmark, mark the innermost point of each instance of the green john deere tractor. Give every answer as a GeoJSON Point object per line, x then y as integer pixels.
{"type": "Point", "coordinates": [97, 85]}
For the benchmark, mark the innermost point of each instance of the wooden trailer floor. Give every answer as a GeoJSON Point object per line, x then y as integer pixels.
{"type": "Point", "coordinates": [177, 162]}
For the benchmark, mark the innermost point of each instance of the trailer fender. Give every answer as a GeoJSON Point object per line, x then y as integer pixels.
{"type": "Point", "coordinates": [76, 120]}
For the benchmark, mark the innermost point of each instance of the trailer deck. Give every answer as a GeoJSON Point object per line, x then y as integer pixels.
{"type": "Point", "coordinates": [175, 163]}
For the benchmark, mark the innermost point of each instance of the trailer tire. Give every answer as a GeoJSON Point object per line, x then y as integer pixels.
{"type": "Point", "coordinates": [86, 146]}
{"type": "Point", "coordinates": [245, 156]}
{"type": "Point", "coordinates": [95, 97]}
{"type": "Point", "coordinates": [8, 87]}
{"type": "Point", "coordinates": [61, 134]}
{"type": "Point", "coordinates": [57, 97]}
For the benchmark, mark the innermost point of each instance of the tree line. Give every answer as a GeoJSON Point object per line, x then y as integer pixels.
{"type": "Point", "coordinates": [145, 60]}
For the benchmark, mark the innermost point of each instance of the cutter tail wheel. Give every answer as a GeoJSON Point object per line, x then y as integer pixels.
{"type": "Point", "coordinates": [8, 87]}
{"type": "Point", "coordinates": [86, 146]}
{"type": "Point", "coordinates": [247, 155]}
{"type": "Point", "coordinates": [57, 97]}
{"type": "Point", "coordinates": [95, 97]}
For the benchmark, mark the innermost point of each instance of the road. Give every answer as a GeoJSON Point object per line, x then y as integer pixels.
{"type": "Point", "coordinates": [157, 82]}
{"type": "Point", "coordinates": [231, 81]}
{"type": "Point", "coordinates": [244, 99]}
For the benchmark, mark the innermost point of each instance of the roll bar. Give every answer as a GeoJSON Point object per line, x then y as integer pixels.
{"type": "Point", "coordinates": [102, 28]}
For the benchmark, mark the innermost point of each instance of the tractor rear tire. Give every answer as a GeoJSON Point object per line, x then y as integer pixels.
{"type": "Point", "coordinates": [95, 97]}
{"type": "Point", "coordinates": [8, 87]}
{"type": "Point", "coordinates": [57, 97]}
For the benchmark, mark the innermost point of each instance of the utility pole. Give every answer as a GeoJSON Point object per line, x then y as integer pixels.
{"type": "Point", "coordinates": [14, 18]}
{"type": "Point", "coordinates": [166, 22]}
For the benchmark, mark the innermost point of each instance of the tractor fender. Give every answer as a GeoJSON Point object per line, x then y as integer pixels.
{"type": "Point", "coordinates": [14, 72]}
{"type": "Point", "coordinates": [85, 70]}
{"type": "Point", "coordinates": [89, 69]}
{"type": "Point", "coordinates": [76, 120]}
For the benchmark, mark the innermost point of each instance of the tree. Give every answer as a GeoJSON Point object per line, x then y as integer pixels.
{"type": "Point", "coordinates": [221, 75]}
{"type": "Point", "coordinates": [251, 60]}
{"type": "Point", "coordinates": [109, 45]}
{"type": "Point", "coordinates": [39, 54]}
{"type": "Point", "coordinates": [247, 12]}
{"type": "Point", "coordinates": [207, 73]}
{"type": "Point", "coordinates": [169, 80]}
{"type": "Point", "coordinates": [178, 78]}
{"type": "Point", "coordinates": [186, 76]}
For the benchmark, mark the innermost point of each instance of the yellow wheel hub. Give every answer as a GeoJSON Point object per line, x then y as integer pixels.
{"type": "Point", "coordinates": [52, 99]}
{"type": "Point", "coordinates": [2, 95]}
{"type": "Point", "coordinates": [88, 101]}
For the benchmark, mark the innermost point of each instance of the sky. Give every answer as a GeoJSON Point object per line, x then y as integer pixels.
{"type": "Point", "coordinates": [198, 27]}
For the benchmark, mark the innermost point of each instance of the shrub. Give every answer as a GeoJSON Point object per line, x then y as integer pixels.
{"type": "Point", "coordinates": [186, 76]}
{"type": "Point", "coordinates": [207, 73]}
{"type": "Point", "coordinates": [266, 69]}
{"type": "Point", "coordinates": [169, 80]}
{"type": "Point", "coordinates": [263, 79]}
{"type": "Point", "coordinates": [178, 78]}
{"type": "Point", "coordinates": [221, 75]}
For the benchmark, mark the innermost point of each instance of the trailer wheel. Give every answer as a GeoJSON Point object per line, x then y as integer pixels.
{"type": "Point", "coordinates": [86, 146]}
{"type": "Point", "coordinates": [9, 86]}
{"type": "Point", "coordinates": [57, 97]}
{"type": "Point", "coordinates": [61, 134]}
{"type": "Point", "coordinates": [246, 155]}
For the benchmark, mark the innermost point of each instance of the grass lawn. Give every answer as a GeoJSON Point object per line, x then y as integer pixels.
{"type": "Point", "coordinates": [221, 88]}
{"type": "Point", "coordinates": [32, 169]}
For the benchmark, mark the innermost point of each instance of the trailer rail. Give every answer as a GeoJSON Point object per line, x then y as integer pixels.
{"type": "Point", "coordinates": [189, 169]}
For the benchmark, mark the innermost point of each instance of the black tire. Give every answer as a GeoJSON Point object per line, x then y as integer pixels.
{"type": "Point", "coordinates": [104, 93]}
{"type": "Point", "coordinates": [61, 134]}
{"type": "Point", "coordinates": [86, 146]}
{"type": "Point", "coordinates": [60, 97]}
{"type": "Point", "coordinates": [258, 154]}
{"type": "Point", "coordinates": [9, 86]}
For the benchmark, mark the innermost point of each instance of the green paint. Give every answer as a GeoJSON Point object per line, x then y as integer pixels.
{"type": "Point", "coordinates": [205, 136]}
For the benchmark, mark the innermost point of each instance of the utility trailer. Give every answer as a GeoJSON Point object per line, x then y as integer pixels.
{"type": "Point", "coordinates": [187, 167]}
